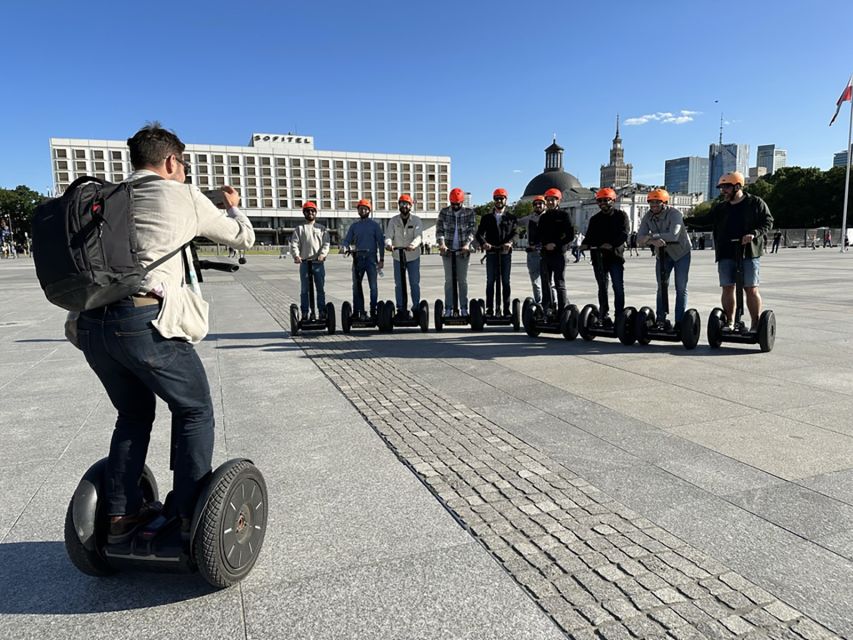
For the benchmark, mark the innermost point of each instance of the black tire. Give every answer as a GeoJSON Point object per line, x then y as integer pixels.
{"type": "Point", "coordinates": [690, 329]}
{"type": "Point", "coordinates": [93, 562]}
{"type": "Point", "coordinates": [385, 317]}
{"type": "Point", "coordinates": [626, 326]}
{"type": "Point", "coordinates": [438, 315]}
{"type": "Point", "coordinates": [516, 314]}
{"type": "Point", "coordinates": [644, 321]}
{"type": "Point", "coordinates": [423, 316]}
{"type": "Point", "coordinates": [767, 331]}
{"type": "Point", "coordinates": [528, 319]}
{"type": "Point", "coordinates": [569, 322]}
{"type": "Point", "coordinates": [346, 317]}
{"type": "Point", "coordinates": [294, 320]}
{"type": "Point", "coordinates": [475, 311]}
{"type": "Point", "coordinates": [716, 322]}
{"type": "Point", "coordinates": [587, 318]}
{"type": "Point", "coordinates": [527, 302]}
{"type": "Point", "coordinates": [231, 528]}
{"type": "Point", "coordinates": [330, 318]}
{"type": "Point", "coordinates": [242, 260]}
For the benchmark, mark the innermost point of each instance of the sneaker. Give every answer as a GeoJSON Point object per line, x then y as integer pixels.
{"type": "Point", "coordinates": [125, 527]}
{"type": "Point", "coordinates": [728, 328]}
{"type": "Point", "coordinates": [607, 322]}
{"type": "Point", "coordinates": [490, 312]}
{"type": "Point", "coordinates": [507, 313]}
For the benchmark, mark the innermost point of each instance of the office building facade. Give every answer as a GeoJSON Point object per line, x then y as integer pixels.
{"type": "Point", "coordinates": [771, 158]}
{"type": "Point", "coordinates": [276, 173]}
{"type": "Point", "coordinates": [724, 158]}
{"type": "Point", "coordinates": [687, 175]}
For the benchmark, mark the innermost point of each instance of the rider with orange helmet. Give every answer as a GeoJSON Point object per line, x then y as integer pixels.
{"type": "Point", "coordinates": [309, 242]}
{"type": "Point", "coordinates": [554, 232]}
{"type": "Point", "coordinates": [405, 231]}
{"type": "Point", "coordinates": [366, 240]}
{"type": "Point", "coordinates": [737, 216]}
{"type": "Point", "coordinates": [496, 234]}
{"type": "Point", "coordinates": [454, 231]}
{"type": "Point", "coordinates": [608, 232]}
{"type": "Point", "coordinates": [663, 227]}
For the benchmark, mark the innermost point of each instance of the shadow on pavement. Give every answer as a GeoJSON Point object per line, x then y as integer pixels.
{"type": "Point", "coordinates": [39, 578]}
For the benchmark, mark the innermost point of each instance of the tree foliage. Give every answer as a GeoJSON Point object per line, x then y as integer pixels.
{"type": "Point", "coordinates": [17, 206]}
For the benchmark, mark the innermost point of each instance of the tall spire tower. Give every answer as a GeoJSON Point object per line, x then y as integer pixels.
{"type": "Point", "coordinates": [617, 173]}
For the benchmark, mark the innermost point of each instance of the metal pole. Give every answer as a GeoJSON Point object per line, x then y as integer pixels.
{"type": "Point", "coordinates": [846, 182]}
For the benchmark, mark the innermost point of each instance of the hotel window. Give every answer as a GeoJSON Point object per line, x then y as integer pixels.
{"type": "Point", "coordinates": [235, 181]}
{"type": "Point", "coordinates": [282, 182]}
{"type": "Point", "coordinates": [80, 166]}
{"type": "Point", "coordinates": [79, 153]}
{"type": "Point", "coordinates": [266, 171]}
{"type": "Point", "coordinates": [352, 165]}
{"type": "Point", "coordinates": [250, 171]}
{"type": "Point", "coordinates": [295, 162]}
{"type": "Point", "coordinates": [219, 170]}
{"type": "Point", "coordinates": [62, 177]}
{"type": "Point", "coordinates": [98, 154]}
{"type": "Point", "coordinates": [296, 173]}
{"type": "Point", "coordinates": [267, 182]}
{"type": "Point", "coordinates": [251, 181]}
{"type": "Point", "coordinates": [266, 161]}
{"type": "Point", "coordinates": [218, 181]}
{"type": "Point", "coordinates": [102, 176]}
{"type": "Point", "coordinates": [61, 153]}
{"type": "Point", "coordinates": [202, 168]}
{"type": "Point", "coordinates": [201, 157]}
{"type": "Point", "coordinates": [327, 184]}
{"type": "Point", "coordinates": [217, 158]}
{"type": "Point", "coordinates": [118, 177]}
{"type": "Point", "coordinates": [235, 171]}
{"type": "Point", "coordinates": [115, 155]}
{"type": "Point", "coordinates": [252, 203]}
{"type": "Point", "coordinates": [324, 163]}
{"type": "Point", "coordinates": [117, 166]}
{"type": "Point", "coordinates": [353, 175]}
{"type": "Point", "coordinates": [309, 163]}
{"type": "Point", "coordinates": [281, 162]}
{"type": "Point", "coordinates": [234, 159]}
{"type": "Point", "coordinates": [62, 164]}
{"type": "Point", "coordinates": [268, 203]}
{"type": "Point", "coordinates": [250, 159]}
{"type": "Point", "coordinates": [203, 181]}
{"type": "Point", "coordinates": [339, 164]}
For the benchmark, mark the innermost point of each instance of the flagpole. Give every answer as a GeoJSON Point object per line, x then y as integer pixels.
{"type": "Point", "coordinates": [847, 180]}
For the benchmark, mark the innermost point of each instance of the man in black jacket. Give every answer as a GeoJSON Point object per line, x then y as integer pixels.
{"type": "Point", "coordinates": [606, 236]}
{"type": "Point", "coordinates": [739, 223]}
{"type": "Point", "coordinates": [495, 234]}
{"type": "Point", "coordinates": [555, 233]}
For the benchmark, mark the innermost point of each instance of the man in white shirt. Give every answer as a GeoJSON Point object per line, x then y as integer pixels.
{"type": "Point", "coordinates": [405, 231]}
{"type": "Point", "coordinates": [310, 243]}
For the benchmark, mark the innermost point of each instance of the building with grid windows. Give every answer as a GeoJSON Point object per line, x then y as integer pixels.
{"type": "Point", "coordinates": [276, 173]}
{"type": "Point", "coordinates": [687, 175]}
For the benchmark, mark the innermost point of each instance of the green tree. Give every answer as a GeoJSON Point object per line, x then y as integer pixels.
{"type": "Point", "coordinates": [17, 207]}
{"type": "Point", "coordinates": [701, 209]}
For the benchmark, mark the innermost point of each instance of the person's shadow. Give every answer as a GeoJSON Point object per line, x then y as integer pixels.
{"type": "Point", "coordinates": [38, 578]}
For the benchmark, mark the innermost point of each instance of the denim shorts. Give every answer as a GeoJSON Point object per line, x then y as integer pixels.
{"type": "Point", "coordinates": [751, 271]}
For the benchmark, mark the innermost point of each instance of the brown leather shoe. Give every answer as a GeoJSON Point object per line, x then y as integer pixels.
{"type": "Point", "coordinates": [123, 528]}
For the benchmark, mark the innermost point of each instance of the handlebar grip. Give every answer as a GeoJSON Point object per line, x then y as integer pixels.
{"type": "Point", "coordinates": [218, 266]}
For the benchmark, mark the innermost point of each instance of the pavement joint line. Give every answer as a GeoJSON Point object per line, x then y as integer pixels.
{"type": "Point", "coordinates": [589, 548]}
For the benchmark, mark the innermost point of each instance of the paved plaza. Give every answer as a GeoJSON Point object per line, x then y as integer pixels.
{"type": "Point", "coordinates": [467, 485]}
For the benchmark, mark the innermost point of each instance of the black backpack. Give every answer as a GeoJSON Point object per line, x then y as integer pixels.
{"type": "Point", "coordinates": [85, 246]}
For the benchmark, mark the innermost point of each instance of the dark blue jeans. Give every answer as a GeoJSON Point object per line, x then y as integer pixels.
{"type": "Point", "coordinates": [682, 272]}
{"type": "Point", "coordinates": [614, 271]}
{"type": "Point", "coordinates": [135, 364]}
{"type": "Point", "coordinates": [491, 276]}
{"type": "Point", "coordinates": [365, 262]}
{"type": "Point", "coordinates": [413, 275]}
{"type": "Point", "coordinates": [319, 271]}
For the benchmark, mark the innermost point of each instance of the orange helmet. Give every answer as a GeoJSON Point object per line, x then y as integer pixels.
{"type": "Point", "coordinates": [309, 205]}
{"type": "Point", "coordinates": [658, 194]}
{"type": "Point", "coordinates": [500, 192]}
{"type": "Point", "coordinates": [406, 198]}
{"type": "Point", "coordinates": [553, 193]}
{"type": "Point", "coordinates": [732, 177]}
{"type": "Point", "coordinates": [538, 198]}
{"type": "Point", "coordinates": [364, 202]}
{"type": "Point", "coordinates": [607, 192]}
{"type": "Point", "coordinates": [457, 196]}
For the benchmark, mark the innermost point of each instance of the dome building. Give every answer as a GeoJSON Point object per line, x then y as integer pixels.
{"type": "Point", "coordinates": [554, 177]}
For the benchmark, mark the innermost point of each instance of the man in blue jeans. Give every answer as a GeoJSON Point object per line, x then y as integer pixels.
{"type": "Point", "coordinates": [606, 235]}
{"type": "Point", "coordinates": [739, 222]}
{"type": "Point", "coordinates": [365, 239]}
{"type": "Point", "coordinates": [141, 347]}
{"type": "Point", "coordinates": [496, 233]}
{"type": "Point", "coordinates": [663, 227]}
{"type": "Point", "coordinates": [405, 231]}
{"type": "Point", "coordinates": [310, 243]}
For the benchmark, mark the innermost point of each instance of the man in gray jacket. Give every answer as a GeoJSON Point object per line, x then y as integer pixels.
{"type": "Point", "coordinates": [141, 347]}
{"type": "Point", "coordinates": [663, 228]}
{"type": "Point", "coordinates": [310, 243]}
{"type": "Point", "coordinates": [405, 231]}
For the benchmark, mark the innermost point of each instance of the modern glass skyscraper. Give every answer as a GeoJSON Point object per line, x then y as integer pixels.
{"type": "Point", "coordinates": [723, 158]}
{"type": "Point", "coordinates": [771, 158]}
{"type": "Point", "coordinates": [687, 175]}
{"type": "Point", "coordinates": [840, 159]}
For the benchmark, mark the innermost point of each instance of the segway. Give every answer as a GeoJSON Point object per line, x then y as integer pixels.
{"type": "Point", "coordinates": [497, 319]}
{"type": "Point", "coordinates": [351, 320]}
{"type": "Point", "coordinates": [591, 325]}
{"type": "Point", "coordinates": [717, 332]}
{"type": "Point", "coordinates": [388, 317]}
{"type": "Point", "coordinates": [537, 319]}
{"type": "Point", "coordinates": [456, 319]}
{"type": "Point", "coordinates": [687, 331]}
{"type": "Point", "coordinates": [313, 322]}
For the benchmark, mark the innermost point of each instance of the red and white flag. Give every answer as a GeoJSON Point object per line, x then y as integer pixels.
{"type": "Point", "coordinates": [846, 95]}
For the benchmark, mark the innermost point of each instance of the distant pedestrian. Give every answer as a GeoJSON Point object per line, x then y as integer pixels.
{"type": "Point", "coordinates": [827, 239]}
{"type": "Point", "coordinates": [777, 239]}
{"type": "Point", "coordinates": [632, 245]}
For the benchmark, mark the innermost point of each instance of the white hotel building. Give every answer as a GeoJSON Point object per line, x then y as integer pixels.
{"type": "Point", "coordinates": [276, 173]}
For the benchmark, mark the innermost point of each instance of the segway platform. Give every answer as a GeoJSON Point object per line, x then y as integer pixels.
{"type": "Point", "coordinates": [313, 321]}
{"type": "Point", "coordinates": [351, 320]}
{"type": "Point", "coordinates": [591, 325]}
{"type": "Point", "coordinates": [496, 319]}
{"type": "Point", "coordinates": [537, 319]}
{"type": "Point", "coordinates": [389, 316]}
{"type": "Point", "coordinates": [456, 318]}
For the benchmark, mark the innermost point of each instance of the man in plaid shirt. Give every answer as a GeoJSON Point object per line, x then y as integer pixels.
{"type": "Point", "coordinates": [454, 232]}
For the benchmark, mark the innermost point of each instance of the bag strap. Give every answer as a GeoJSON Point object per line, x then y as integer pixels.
{"type": "Point", "coordinates": [160, 261]}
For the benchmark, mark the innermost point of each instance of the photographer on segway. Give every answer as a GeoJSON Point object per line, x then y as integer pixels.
{"type": "Point", "coordinates": [310, 243]}
{"type": "Point", "coordinates": [740, 216]}
{"type": "Point", "coordinates": [142, 346]}
{"type": "Point", "coordinates": [405, 231]}
{"type": "Point", "coordinates": [606, 236]}
{"type": "Point", "coordinates": [663, 227]}
{"type": "Point", "coordinates": [496, 234]}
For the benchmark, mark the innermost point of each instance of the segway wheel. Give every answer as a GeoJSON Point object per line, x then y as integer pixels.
{"type": "Point", "coordinates": [569, 322]}
{"type": "Point", "coordinates": [516, 314]}
{"type": "Point", "coordinates": [626, 327]}
{"type": "Point", "coordinates": [528, 319]}
{"type": "Point", "coordinates": [716, 322]}
{"type": "Point", "coordinates": [475, 311]}
{"type": "Point", "coordinates": [767, 331]}
{"type": "Point", "coordinates": [588, 317]}
{"type": "Point", "coordinates": [690, 329]}
{"type": "Point", "coordinates": [346, 317]}
{"type": "Point", "coordinates": [385, 318]}
{"type": "Point", "coordinates": [423, 316]}
{"type": "Point", "coordinates": [232, 524]}
{"type": "Point", "coordinates": [294, 320]}
{"type": "Point", "coordinates": [330, 318]}
{"type": "Point", "coordinates": [438, 315]}
{"type": "Point", "coordinates": [242, 260]}
{"type": "Point", "coordinates": [86, 516]}
{"type": "Point", "coordinates": [527, 302]}
{"type": "Point", "coordinates": [644, 321]}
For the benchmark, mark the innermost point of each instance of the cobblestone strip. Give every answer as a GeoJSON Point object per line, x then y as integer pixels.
{"type": "Point", "coordinates": [597, 568]}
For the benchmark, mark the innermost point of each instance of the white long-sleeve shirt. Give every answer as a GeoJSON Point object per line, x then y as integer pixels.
{"type": "Point", "coordinates": [309, 241]}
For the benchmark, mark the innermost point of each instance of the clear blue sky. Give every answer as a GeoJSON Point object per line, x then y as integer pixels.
{"type": "Point", "coordinates": [486, 83]}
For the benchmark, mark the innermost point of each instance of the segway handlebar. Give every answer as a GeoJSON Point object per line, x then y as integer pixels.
{"type": "Point", "coordinates": [227, 267]}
